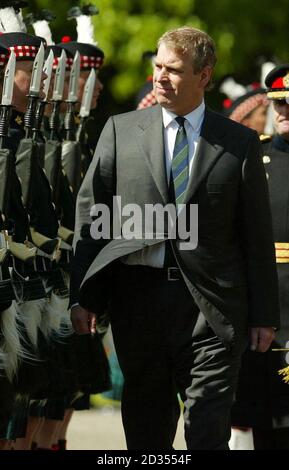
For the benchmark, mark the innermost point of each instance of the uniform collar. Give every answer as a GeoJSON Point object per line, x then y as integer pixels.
{"type": "Point", "coordinates": [280, 143]}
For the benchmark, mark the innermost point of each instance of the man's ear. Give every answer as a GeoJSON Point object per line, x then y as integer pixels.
{"type": "Point", "coordinates": [205, 76]}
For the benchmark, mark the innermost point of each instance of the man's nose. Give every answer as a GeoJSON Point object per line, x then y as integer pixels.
{"type": "Point", "coordinates": [161, 73]}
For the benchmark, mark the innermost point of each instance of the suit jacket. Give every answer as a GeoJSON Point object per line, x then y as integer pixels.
{"type": "Point", "coordinates": [231, 274]}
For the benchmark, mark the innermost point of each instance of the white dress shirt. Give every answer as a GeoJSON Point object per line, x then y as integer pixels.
{"type": "Point", "coordinates": [154, 255]}
{"type": "Point", "coordinates": [193, 124]}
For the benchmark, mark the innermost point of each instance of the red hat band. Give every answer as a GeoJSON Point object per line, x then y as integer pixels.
{"type": "Point", "coordinates": [69, 62]}
{"type": "Point", "coordinates": [90, 62]}
{"type": "Point", "coordinates": [24, 51]}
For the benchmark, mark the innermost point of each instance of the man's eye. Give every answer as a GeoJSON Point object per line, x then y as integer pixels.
{"type": "Point", "coordinates": [174, 71]}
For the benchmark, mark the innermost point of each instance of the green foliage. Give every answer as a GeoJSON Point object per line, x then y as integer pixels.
{"type": "Point", "coordinates": [243, 31]}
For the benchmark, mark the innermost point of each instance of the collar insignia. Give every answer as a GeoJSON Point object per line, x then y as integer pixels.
{"type": "Point", "coordinates": [19, 120]}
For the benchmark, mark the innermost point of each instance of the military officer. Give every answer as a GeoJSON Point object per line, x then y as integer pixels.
{"type": "Point", "coordinates": [262, 399]}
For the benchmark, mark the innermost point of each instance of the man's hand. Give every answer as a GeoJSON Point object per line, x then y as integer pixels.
{"type": "Point", "coordinates": [83, 321]}
{"type": "Point", "coordinates": [261, 338]}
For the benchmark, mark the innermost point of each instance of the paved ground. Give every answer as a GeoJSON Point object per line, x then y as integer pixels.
{"type": "Point", "coordinates": [102, 429]}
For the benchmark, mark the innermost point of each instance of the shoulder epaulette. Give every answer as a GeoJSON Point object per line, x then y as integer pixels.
{"type": "Point", "coordinates": [265, 137]}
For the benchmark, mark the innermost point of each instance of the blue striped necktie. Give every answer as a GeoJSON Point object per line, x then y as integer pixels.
{"type": "Point", "coordinates": [180, 162]}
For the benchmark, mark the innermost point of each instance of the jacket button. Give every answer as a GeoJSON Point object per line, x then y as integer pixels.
{"type": "Point", "coordinates": [266, 159]}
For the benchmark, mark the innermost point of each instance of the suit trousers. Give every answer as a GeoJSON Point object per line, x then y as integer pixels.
{"type": "Point", "coordinates": [166, 347]}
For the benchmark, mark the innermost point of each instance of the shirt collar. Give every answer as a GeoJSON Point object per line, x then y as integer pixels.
{"type": "Point", "coordinates": [195, 117]}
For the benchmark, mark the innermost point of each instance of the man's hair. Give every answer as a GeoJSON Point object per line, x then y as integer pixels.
{"type": "Point", "coordinates": [194, 42]}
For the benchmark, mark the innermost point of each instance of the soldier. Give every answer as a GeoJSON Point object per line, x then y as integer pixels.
{"type": "Point", "coordinates": [91, 57]}
{"type": "Point", "coordinates": [7, 392]}
{"type": "Point", "coordinates": [262, 399]}
{"type": "Point", "coordinates": [25, 48]}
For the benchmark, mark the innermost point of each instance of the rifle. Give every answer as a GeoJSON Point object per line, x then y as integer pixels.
{"type": "Point", "coordinates": [86, 103]}
{"type": "Point", "coordinates": [52, 152]}
{"type": "Point", "coordinates": [62, 194]}
{"type": "Point", "coordinates": [6, 158]}
{"type": "Point", "coordinates": [71, 148]}
{"type": "Point", "coordinates": [12, 254]}
{"type": "Point", "coordinates": [36, 192]}
{"type": "Point", "coordinates": [84, 114]}
{"type": "Point", "coordinates": [54, 121]}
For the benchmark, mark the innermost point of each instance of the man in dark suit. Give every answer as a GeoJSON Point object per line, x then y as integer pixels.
{"type": "Point", "coordinates": [179, 316]}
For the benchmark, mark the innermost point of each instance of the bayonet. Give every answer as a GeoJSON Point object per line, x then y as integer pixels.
{"type": "Point", "coordinates": [6, 157]}
{"type": "Point", "coordinates": [9, 81]}
{"type": "Point", "coordinates": [59, 78]}
{"type": "Point", "coordinates": [86, 102]}
{"type": "Point", "coordinates": [39, 112]}
{"type": "Point", "coordinates": [48, 71]}
{"type": "Point", "coordinates": [7, 94]}
{"type": "Point", "coordinates": [69, 122]}
{"type": "Point", "coordinates": [74, 76]}
{"type": "Point", "coordinates": [42, 103]}
{"type": "Point", "coordinates": [37, 71]}
{"type": "Point", "coordinates": [88, 94]}
{"type": "Point", "coordinates": [57, 96]}
{"type": "Point", "coordinates": [34, 92]}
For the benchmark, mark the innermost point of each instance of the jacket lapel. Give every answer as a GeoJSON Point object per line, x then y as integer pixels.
{"type": "Point", "coordinates": [151, 143]}
{"type": "Point", "coordinates": [208, 151]}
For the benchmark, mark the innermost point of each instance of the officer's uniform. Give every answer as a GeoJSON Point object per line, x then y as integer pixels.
{"type": "Point", "coordinates": [262, 398]}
